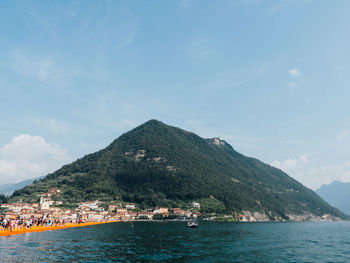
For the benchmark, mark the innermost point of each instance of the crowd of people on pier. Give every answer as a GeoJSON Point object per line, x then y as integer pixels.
{"type": "Point", "coordinates": [24, 223]}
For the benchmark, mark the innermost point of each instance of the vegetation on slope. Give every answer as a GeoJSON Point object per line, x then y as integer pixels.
{"type": "Point", "coordinates": [3, 199]}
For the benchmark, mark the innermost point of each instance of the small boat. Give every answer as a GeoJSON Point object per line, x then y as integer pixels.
{"type": "Point", "coordinates": [192, 224]}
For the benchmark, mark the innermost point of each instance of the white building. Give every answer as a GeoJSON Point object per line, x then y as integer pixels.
{"type": "Point", "coordinates": [130, 206]}
{"type": "Point", "coordinates": [45, 203]}
{"type": "Point", "coordinates": [196, 205]}
{"type": "Point", "coordinates": [90, 205]}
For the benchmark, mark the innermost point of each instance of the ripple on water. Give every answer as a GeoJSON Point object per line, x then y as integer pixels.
{"type": "Point", "coordinates": [173, 242]}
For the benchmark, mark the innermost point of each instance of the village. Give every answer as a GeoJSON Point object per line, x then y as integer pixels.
{"type": "Point", "coordinates": [96, 211]}
{"type": "Point", "coordinates": [91, 211]}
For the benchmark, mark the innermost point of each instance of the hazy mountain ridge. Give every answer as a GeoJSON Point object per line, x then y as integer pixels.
{"type": "Point", "coordinates": [8, 189]}
{"type": "Point", "coordinates": [337, 194]}
{"type": "Point", "coordinates": [156, 164]}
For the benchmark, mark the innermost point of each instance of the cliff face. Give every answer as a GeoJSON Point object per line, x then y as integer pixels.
{"type": "Point", "coordinates": [156, 164]}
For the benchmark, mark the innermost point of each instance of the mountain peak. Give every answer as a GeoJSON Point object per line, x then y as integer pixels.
{"type": "Point", "coordinates": [153, 122]}
{"type": "Point", "coordinates": [150, 125]}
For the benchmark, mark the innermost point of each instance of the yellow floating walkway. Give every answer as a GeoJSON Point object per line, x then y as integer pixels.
{"type": "Point", "coordinates": [48, 228]}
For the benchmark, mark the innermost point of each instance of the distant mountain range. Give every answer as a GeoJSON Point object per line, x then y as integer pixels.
{"type": "Point", "coordinates": [337, 194]}
{"type": "Point", "coordinates": [159, 165]}
{"type": "Point", "coordinates": [8, 189]}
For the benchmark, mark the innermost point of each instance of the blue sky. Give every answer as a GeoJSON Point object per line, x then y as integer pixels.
{"type": "Point", "coordinates": [269, 77]}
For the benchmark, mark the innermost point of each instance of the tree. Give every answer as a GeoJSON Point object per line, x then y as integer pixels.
{"type": "Point", "coordinates": [3, 199]}
{"type": "Point", "coordinates": [158, 217]}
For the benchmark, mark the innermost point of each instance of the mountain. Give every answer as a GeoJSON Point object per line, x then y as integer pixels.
{"type": "Point", "coordinates": [337, 194]}
{"type": "Point", "coordinates": [8, 189]}
{"type": "Point", "coordinates": [156, 164]}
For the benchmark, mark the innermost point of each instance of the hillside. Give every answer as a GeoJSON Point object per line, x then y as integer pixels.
{"type": "Point", "coordinates": [337, 194]}
{"type": "Point", "coordinates": [156, 164]}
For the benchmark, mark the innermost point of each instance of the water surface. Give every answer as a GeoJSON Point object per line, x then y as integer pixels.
{"type": "Point", "coordinates": [173, 242]}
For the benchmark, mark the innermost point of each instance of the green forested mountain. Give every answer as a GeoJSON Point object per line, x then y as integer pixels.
{"type": "Point", "coordinates": [156, 164]}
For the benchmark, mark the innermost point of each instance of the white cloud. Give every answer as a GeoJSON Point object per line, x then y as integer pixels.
{"type": "Point", "coordinates": [314, 176]}
{"type": "Point", "coordinates": [201, 47]}
{"type": "Point", "coordinates": [55, 126]}
{"type": "Point", "coordinates": [29, 156]}
{"type": "Point", "coordinates": [295, 72]}
{"type": "Point", "coordinates": [43, 68]}
{"type": "Point", "coordinates": [39, 68]}
{"type": "Point", "coordinates": [343, 135]}
{"type": "Point", "coordinates": [184, 4]}
{"type": "Point", "coordinates": [275, 7]}
{"type": "Point", "coordinates": [291, 165]}
{"type": "Point", "coordinates": [124, 36]}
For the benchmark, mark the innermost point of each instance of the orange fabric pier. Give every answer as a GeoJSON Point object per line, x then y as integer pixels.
{"type": "Point", "coordinates": [47, 228]}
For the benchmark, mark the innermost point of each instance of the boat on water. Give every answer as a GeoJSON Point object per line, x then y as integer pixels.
{"type": "Point", "coordinates": [192, 224]}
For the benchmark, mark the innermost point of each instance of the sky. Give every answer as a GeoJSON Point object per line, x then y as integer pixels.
{"type": "Point", "coordinates": [269, 77]}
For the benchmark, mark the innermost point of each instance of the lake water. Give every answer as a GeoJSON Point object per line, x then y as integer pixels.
{"type": "Point", "coordinates": [173, 242]}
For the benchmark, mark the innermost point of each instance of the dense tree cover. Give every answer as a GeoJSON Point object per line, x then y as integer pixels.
{"type": "Point", "coordinates": [212, 205]}
{"type": "Point", "coordinates": [158, 217]}
{"type": "Point", "coordinates": [3, 199]}
{"type": "Point", "coordinates": [156, 164]}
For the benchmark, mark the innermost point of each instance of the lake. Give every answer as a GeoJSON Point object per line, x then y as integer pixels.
{"type": "Point", "coordinates": [173, 242]}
